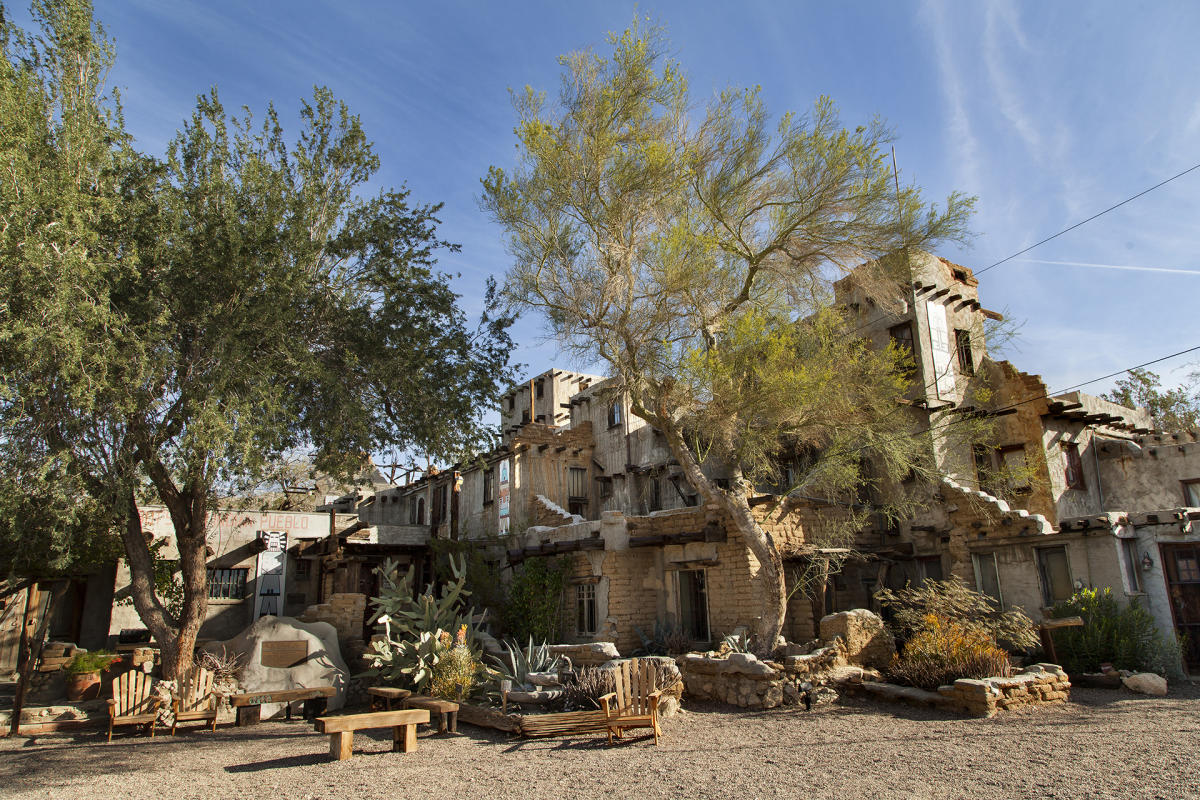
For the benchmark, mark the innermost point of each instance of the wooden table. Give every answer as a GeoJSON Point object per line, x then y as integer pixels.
{"type": "Point", "coordinates": [446, 709]}
{"type": "Point", "coordinates": [341, 729]}
{"type": "Point", "coordinates": [249, 704]}
{"type": "Point", "coordinates": [384, 695]}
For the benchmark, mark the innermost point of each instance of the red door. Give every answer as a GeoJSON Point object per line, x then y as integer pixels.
{"type": "Point", "coordinates": [1182, 565]}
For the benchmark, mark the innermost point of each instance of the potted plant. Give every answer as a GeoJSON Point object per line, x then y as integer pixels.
{"type": "Point", "coordinates": [83, 674]}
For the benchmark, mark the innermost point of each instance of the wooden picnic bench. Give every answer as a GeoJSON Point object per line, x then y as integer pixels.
{"type": "Point", "coordinates": [447, 710]}
{"type": "Point", "coordinates": [249, 704]}
{"type": "Point", "coordinates": [384, 695]}
{"type": "Point", "coordinates": [341, 729]}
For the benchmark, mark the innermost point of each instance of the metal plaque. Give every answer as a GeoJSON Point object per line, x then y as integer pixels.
{"type": "Point", "coordinates": [284, 654]}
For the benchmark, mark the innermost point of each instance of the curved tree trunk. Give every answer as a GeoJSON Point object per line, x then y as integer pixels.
{"type": "Point", "coordinates": [735, 503]}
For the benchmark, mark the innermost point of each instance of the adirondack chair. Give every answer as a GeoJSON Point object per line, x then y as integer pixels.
{"type": "Point", "coordinates": [195, 698]}
{"type": "Point", "coordinates": [634, 704]}
{"type": "Point", "coordinates": [133, 701]}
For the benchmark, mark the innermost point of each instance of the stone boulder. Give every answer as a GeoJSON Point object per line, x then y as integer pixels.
{"type": "Point", "coordinates": [865, 639]}
{"type": "Point", "coordinates": [588, 654]}
{"type": "Point", "coordinates": [322, 667]}
{"type": "Point", "coordinates": [1146, 683]}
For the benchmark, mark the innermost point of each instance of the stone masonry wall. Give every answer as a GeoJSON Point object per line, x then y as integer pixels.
{"type": "Point", "coordinates": [1040, 684]}
{"type": "Point", "coordinates": [344, 611]}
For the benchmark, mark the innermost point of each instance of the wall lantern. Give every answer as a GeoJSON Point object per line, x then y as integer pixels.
{"type": "Point", "coordinates": [1147, 563]}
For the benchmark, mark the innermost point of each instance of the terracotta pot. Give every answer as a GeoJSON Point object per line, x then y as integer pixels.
{"type": "Point", "coordinates": [83, 686]}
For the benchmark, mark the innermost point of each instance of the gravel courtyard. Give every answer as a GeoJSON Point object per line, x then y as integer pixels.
{"type": "Point", "coordinates": [1102, 744]}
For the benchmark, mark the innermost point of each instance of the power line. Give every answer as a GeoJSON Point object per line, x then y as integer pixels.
{"type": "Point", "coordinates": [1089, 219]}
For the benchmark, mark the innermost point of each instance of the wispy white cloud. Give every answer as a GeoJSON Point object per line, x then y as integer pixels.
{"type": "Point", "coordinates": [961, 135]}
{"type": "Point", "coordinates": [1131, 267]}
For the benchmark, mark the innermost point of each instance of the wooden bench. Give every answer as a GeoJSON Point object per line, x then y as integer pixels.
{"type": "Point", "coordinates": [249, 704]}
{"type": "Point", "coordinates": [384, 695]}
{"type": "Point", "coordinates": [341, 729]}
{"type": "Point", "coordinates": [446, 709]}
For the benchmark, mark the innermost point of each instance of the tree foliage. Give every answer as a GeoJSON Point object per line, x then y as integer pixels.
{"type": "Point", "coordinates": [693, 252]}
{"type": "Point", "coordinates": [1175, 409]}
{"type": "Point", "coordinates": [172, 327]}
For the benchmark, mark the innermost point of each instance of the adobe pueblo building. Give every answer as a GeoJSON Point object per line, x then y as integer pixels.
{"type": "Point", "coordinates": [1102, 500]}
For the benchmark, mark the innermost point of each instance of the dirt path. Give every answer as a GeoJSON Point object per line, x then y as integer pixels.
{"type": "Point", "coordinates": [1101, 745]}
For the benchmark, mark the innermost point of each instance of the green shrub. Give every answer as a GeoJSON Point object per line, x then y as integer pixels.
{"type": "Point", "coordinates": [1124, 636]}
{"type": "Point", "coordinates": [534, 605]}
{"type": "Point", "coordinates": [953, 600]}
{"type": "Point", "coordinates": [943, 650]}
{"type": "Point", "coordinates": [97, 661]}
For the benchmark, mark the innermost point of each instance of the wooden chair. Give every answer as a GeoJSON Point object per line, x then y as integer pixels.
{"type": "Point", "coordinates": [634, 704]}
{"type": "Point", "coordinates": [133, 701]}
{"type": "Point", "coordinates": [195, 698]}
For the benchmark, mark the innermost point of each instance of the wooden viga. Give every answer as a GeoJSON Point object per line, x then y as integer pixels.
{"type": "Point", "coordinates": [195, 698]}
{"type": "Point", "coordinates": [634, 704]}
{"type": "Point", "coordinates": [133, 701]}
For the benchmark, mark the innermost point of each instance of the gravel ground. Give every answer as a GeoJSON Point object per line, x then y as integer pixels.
{"type": "Point", "coordinates": [1102, 744]}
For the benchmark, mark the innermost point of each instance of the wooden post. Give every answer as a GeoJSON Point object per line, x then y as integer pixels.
{"type": "Point", "coordinates": [341, 745]}
{"type": "Point", "coordinates": [404, 738]}
{"type": "Point", "coordinates": [24, 656]}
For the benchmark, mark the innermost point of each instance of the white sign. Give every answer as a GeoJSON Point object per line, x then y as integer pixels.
{"type": "Point", "coordinates": [943, 355]}
{"type": "Point", "coordinates": [272, 568]}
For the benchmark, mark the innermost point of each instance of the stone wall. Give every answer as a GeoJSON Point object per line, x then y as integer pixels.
{"type": "Point", "coordinates": [344, 611]}
{"type": "Point", "coordinates": [1040, 684]}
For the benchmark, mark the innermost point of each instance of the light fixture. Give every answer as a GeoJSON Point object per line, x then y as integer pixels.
{"type": "Point", "coordinates": [1147, 563]}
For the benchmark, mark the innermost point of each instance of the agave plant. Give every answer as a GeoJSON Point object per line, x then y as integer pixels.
{"type": "Point", "coordinates": [516, 663]}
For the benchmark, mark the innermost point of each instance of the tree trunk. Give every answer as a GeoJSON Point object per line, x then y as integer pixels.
{"type": "Point", "coordinates": [193, 566]}
{"type": "Point", "coordinates": [736, 504]}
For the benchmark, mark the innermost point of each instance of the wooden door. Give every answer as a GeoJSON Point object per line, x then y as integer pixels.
{"type": "Point", "coordinates": [1181, 563]}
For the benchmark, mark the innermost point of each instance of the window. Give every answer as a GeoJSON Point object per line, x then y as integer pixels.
{"type": "Point", "coordinates": [1056, 574]}
{"type": "Point", "coordinates": [1191, 492]}
{"type": "Point", "coordinates": [902, 335]}
{"type": "Point", "coordinates": [1074, 466]}
{"type": "Point", "coordinates": [585, 609]}
{"type": "Point", "coordinates": [606, 487]}
{"type": "Point", "coordinates": [962, 342]}
{"type": "Point", "coordinates": [693, 604]}
{"type": "Point", "coordinates": [489, 486]}
{"type": "Point", "coordinates": [1129, 555]}
{"type": "Point", "coordinates": [1016, 469]}
{"type": "Point", "coordinates": [959, 275]}
{"type": "Point", "coordinates": [420, 510]}
{"type": "Point", "coordinates": [653, 493]}
{"type": "Point", "coordinates": [929, 568]}
{"type": "Point", "coordinates": [512, 401]}
{"type": "Point", "coordinates": [614, 414]}
{"type": "Point", "coordinates": [987, 576]}
{"type": "Point", "coordinates": [303, 567]}
{"type": "Point", "coordinates": [227, 584]}
{"type": "Point", "coordinates": [439, 509]}
{"type": "Point", "coordinates": [985, 473]}
{"type": "Point", "coordinates": [541, 389]}
{"type": "Point", "coordinates": [577, 482]}
{"type": "Point", "coordinates": [525, 416]}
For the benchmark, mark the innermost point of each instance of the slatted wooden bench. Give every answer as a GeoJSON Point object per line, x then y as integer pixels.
{"type": "Point", "coordinates": [384, 695]}
{"type": "Point", "coordinates": [446, 709]}
{"type": "Point", "coordinates": [249, 704]}
{"type": "Point", "coordinates": [567, 723]}
{"type": "Point", "coordinates": [341, 729]}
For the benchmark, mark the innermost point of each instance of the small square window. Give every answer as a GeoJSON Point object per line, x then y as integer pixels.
{"type": "Point", "coordinates": [902, 335]}
{"type": "Point", "coordinates": [1191, 492]}
{"type": "Point", "coordinates": [606, 487]}
{"type": "Point", "coordinates": [1056, 575]}
{"type": "Point", "coordinates": [227, 584]}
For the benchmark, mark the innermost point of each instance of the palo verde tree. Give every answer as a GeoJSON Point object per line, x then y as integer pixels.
{"type": "Point", "coordinates": [1175, 409]}
{"type": "Point", "coordinates": [693, 251]}
{"type": "Point", "coordinates": [171, 327]}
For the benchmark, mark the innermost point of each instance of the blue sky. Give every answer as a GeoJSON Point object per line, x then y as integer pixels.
{"type": "Point", "coordinates": [1048, 112]}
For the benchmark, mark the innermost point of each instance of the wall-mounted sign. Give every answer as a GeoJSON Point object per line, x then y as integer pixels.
{"type": "Point", "coordinates": [943, 353]}
{"type": "Point", "coordinates": [502, 496]}
{"type": "Point", "coordinates": [285, 654]}
{"type": "Point", "coordinates": [272, 568]}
